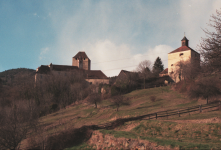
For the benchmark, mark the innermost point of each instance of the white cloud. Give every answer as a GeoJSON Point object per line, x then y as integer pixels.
{"type": "Point", "coordinates": [43, 52]}
{"type": "Point", "coordinates": [159, 51]}
{"type": "Point", "coordinates": [137, 30]}
{"type": "Point", "coordinates": [195, 18]}
{"type": "Point", "coordinates": [111, 58]}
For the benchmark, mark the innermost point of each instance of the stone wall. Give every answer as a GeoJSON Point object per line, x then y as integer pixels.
{"type": "Point", "coordinates": [100, 141]}
{"type": "Point", "coordinates": [98, 81]}
{"type": "Point", "coordinates": [86, 63]}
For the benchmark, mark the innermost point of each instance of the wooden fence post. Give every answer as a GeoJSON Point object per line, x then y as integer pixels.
{"type": "Point", "coordinates": [178, 112]}
{"type": "Point", "coordinates": [200, 108]}
{"type": "Point", "coordinates": [149, 117]}
{"type": "Point", "coordinates": [219, 107]}
{"type": "Point", "coordinates": [189, 111]}
{"type": "Point", "coordinates": [156, 115]}
{"type": "Point", "coordinates": [167, 115]}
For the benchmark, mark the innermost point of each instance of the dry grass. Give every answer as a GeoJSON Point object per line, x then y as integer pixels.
{"type": "Point", "coordinates": [85, 114]}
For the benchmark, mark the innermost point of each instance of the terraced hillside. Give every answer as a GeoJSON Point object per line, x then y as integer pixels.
{"type": "Point", "coordinates": [190, 130]}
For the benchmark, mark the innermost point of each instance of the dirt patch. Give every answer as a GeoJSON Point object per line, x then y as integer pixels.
{"type": "Point", "coordinates": [129, 127]}
{"type": "Point", "coordinates": [115, 118]}
{"type": "Point", "coordinates": [100, 141]}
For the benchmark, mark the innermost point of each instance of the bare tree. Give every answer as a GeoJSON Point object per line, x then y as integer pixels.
{"type": "Point", "coordinates": [94, 98]}
{"type": "Point", "coordinates": [205, 88]}
{"type": "Point", "coordinates": [15, 123]}
{"type": "Point", "coordinates": [144, 69]}
{"type": "Point", "coordinates": [210, 46]}
{"type": "Point", "coordinates": [188, 69]}
{"type": "Point", "coordinates": [119, 100]}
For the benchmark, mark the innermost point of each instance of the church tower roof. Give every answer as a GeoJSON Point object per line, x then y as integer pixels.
{"type": "Point", "coordinates": [81, 55]}
{"type": "Point", "coordinates": [184, 46]}
{"type": "Point", "coordinates": [184, 41]}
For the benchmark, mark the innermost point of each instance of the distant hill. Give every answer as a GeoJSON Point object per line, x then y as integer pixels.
{"type": "Point", "coordinates": [8, 76]}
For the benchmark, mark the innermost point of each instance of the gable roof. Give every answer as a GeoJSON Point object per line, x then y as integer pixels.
{"type": "Point", "coordinates": [43, 69]}
{"type": "Point", "coordinates": [81, 55]}
{"type": "Point", "coordinates": [182, 48]}
{"type": "Point", "coordinates": [95, 74]}
{"type": "Point", "coordinates": [64, 68]}
{"type": "Point", "coordinates": [164, 71]}
{"type": "Point", "coordinates": [184, 38]}
{"type": "Point", "coordinates": [127, 72]}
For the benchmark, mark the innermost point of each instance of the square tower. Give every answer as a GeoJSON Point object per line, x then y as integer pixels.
{"type": "Point", "coordinates": [81, 61]}
{"type": "Point", "coordinates": [183, 53]}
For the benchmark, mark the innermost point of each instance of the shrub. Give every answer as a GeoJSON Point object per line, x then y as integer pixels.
{"type": "Point", "coordinates": [115, 90]}
{"type": "Point", "coordinates": [53, 107]}
{"type": "Point", "coordinates": [152, 98]}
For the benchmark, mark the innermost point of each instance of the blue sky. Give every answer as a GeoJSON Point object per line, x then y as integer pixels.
{"type": "Point", "coordinates": [114, 34]}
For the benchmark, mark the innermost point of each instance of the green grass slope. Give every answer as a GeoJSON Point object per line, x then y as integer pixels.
{"type": "Point", "coordinates": [164, 131]}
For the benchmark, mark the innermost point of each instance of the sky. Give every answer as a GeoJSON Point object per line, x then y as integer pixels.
{"type": "Point", "coordinates": [116, 35]}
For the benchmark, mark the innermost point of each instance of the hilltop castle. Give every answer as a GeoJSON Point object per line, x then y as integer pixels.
{"type": "Point", "coordinates": [183, 53]}
{"type": "Point", "coordinates": [80, 63]}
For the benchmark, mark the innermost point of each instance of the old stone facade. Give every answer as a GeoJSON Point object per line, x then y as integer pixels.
{"type": "Point", "coordinates": [81, 61]}
{"type": "Point", "coordinates": [80, 65]}
{"type": "Point", "coordinates": [183, 53]}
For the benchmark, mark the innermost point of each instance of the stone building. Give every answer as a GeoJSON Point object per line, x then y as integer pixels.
{"type": "Point", "coordinates": [81, 64]}
{"type": "Point", "coordinates": [81, 61]}
{"type": "Point", "coordinates": [183, 53]}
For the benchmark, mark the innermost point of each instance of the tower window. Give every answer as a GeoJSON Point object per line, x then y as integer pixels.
{"type": "Point", "coordinates": [76, 58]}
{"type": "Point", "coordinates": [181, 54]}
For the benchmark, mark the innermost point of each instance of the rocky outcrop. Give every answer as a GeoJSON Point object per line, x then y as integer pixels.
{"type": "Point", "coordinates": [101, 141]}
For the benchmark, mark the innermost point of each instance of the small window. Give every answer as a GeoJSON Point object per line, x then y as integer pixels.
{"type": "Point", "coordinates": [183, 43]}
{"type": "Point", "coordinates": [181, 54]}
{"type": "Point", "coordinates": [171, 64]}
{"type": "Point", "coordinates": [76, 58]}
{"type": "Point", "coordinates": [84, 58]}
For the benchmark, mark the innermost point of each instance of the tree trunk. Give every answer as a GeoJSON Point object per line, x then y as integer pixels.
{"type": "Point", "coordinates": [144, 82]}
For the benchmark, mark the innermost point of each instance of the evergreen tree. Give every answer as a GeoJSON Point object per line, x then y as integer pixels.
{"type": "Point", "coordinates": [158, 66]}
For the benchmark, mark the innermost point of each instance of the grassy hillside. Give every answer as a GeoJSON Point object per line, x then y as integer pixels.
{"type": "Point", "coordinates": [163, 131]}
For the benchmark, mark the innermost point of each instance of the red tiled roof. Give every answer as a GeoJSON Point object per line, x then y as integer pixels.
{"type": "Point", "coordinates": [164, 71]}
{"type": "Point", "coordinates": [182, 48]}
{"type": "Point", "coordinates": [95, 74]}
{"type": "Point", "coordinates": [81, 55]}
